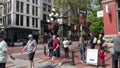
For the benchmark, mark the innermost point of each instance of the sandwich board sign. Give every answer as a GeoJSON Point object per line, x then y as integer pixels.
{"type": "Point", "coordinates": [92, 56]}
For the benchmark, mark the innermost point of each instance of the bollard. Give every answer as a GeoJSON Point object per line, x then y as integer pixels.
{"type": "Point", "coordinates": [113, 65]}
{"type": "Point", "coordinates": [73, 63]}
{"type": "Point", "coordinates": [45, 50]}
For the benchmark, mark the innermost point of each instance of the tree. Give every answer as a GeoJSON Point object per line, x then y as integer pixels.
{"type": "Point", "coordinates": [70, 8]}
{"type": "Point", "coordinates": [96, 24]}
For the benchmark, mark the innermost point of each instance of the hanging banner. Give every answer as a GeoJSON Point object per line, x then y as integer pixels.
{"type": "Point", "coordinates": [99, 13]}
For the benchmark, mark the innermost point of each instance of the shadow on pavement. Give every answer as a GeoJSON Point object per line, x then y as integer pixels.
{"type": "Point", "coordinates": [48, 66]}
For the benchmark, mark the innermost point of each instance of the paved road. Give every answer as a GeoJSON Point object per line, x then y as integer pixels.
{"type": "Point", "coordinates": [42, 61]}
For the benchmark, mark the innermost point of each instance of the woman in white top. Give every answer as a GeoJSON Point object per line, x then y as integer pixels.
{"type": "Point", "coordinates": [66, 47]}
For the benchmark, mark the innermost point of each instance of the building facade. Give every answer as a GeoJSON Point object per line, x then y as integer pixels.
{"type": "Point", "coordinates": [20, 18]}
{"type": "Point", "coordinates": [0, 14]}
{"type": "Point", "coordinates": [46, 6]}
{"type": "Point", "coordinates": [111, 10]}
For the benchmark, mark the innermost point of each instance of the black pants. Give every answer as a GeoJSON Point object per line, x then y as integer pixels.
{"type": "Point", "coordinates": [92, 46]}
{"type": "Point", "coordinates": [66, 50]}
{"type": "Point", "coordinates": [50, 52]}
{"type": "Point", "coordinates": [2, 65]}
{"type": "Point", "coordinates": [116, 57]}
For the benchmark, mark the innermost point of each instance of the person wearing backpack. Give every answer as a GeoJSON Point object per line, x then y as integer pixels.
{"type": "Point", "coordinates": [50, 47]}
{"type": "Point", "coordinates": [93, 40]}
{"type": "Point", "coordinates": [56, 50]}
{"type": "Point", "coordinates": [100, 41]}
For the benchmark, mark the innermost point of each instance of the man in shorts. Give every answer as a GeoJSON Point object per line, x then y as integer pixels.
{"type": "Point", "coordinates": [56, 49]}
{"type": "Point", "coordinates": [31, 48]}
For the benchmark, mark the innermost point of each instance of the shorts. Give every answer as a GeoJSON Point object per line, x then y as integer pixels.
{"type": "Point", "coordinates": [31, 56]}
{"type": "Point", "coordinates": [2, 65]}
{"type": "Point", "coordinates": [56, 53]}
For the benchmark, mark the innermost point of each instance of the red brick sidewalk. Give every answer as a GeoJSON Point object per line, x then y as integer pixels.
{"type": "Point", "coordinates": [67, 61]}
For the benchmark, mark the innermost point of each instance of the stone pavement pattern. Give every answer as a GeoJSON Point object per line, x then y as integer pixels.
{"type": "Point", "coordinates": [42, 61]}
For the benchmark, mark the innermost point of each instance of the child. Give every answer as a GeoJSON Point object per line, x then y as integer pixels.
{"type": "Point", "coordinates": [82, 49]}
{"type": "Point", "coordinates": [102, 57]}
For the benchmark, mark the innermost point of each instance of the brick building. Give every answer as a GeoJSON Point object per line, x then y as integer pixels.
{"type": "Point", "coordinates": [111, 10]}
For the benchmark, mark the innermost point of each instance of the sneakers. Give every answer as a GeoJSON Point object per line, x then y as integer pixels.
{"type": "Point", "coordinates": [81, 61]}
{"type": "Point", "coordinates": [49, 57]}
{"type": "Point", "coordinates": [59, 64]}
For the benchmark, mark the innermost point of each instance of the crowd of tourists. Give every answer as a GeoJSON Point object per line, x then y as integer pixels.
{"type": "Point", "coordinates": [54, 45]}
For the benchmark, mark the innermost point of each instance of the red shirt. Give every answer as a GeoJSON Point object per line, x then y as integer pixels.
{"type": "Point", "coordinates": [55, 43]}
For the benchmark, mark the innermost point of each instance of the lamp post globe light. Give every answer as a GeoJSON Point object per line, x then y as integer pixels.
{"type": "Point", "coordinates": [53, 20]}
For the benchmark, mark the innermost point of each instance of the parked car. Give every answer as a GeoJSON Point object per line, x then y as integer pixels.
{"type": "Point", "coordinates": [19, 42]}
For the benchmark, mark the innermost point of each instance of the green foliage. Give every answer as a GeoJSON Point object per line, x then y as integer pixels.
{"type": "Point", "coordinates": [72, 7]}
{"type": "Point", "coordinates": [96, 24]}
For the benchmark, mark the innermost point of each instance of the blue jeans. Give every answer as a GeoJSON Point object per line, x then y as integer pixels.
{"type": "Point", "coordinates": [56, 53]}
{"type": "Point", "coordinates": [82, 54]}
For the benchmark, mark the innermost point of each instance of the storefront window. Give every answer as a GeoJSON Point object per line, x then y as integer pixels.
{"type": "Point", "coordinates": [27, 21]}
{"type": "Point", "coordinates": [17, 5]}
{"type": "Point", "coordinates": [21, 7]}
{"type": "Point", "coordinates": [44, 7]}
{"type": "Point", "coordinates": [27, 9]}
{"type": "Point", "coordinates": [17, 19]}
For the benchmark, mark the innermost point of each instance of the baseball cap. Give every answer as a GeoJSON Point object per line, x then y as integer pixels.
{"type": "Point", "coordinates": [30, 35]}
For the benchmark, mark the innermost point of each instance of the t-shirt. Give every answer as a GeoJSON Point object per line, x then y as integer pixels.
{"type": "Point", "coordinates": [55, 43]}
{"type": "Point", "coordinates": [31, 44]}
{"type": "Point", "coordinates": [66, 43]}
{"type": "Point", "coordinates": [3, 48]}
{"type": "Point", "coordinates": [81, 45]}
{"type": "Point", "coordinates": [116, 46]}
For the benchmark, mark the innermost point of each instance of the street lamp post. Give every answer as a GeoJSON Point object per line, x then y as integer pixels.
{"type": "Point", "coordinates": [53, 20]}
{"type": "Point", "coordinates": [61, 28]}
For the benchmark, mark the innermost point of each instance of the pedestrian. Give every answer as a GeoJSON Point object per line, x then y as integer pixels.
{"type": "Point", "coordinates": [56, 49]}
{"type": "Point", "coordinates": [101, 57]}
{"type": "Point", "coordinates": [81, 45]}
{"type": "Point", "coordinates": [66, 47]}
{"type": "Point", "coordinates": [93, 41]}
{"type": "Point", "coordinates": [4, 52]}
{"type": "Point", "coordinates": [116, 48]}
{"type": "Point", "coordinates": [31, 48]}
{"type": "Point", "coordinates": [100, 41]}
{"type": "Point", "coordinates": [50, 47]}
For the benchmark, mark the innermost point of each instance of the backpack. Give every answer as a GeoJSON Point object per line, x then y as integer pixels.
{"type": "Point", "coordinates": [50, 43]}
{"type": "Point", "coordinates": [98, 41]}
{"type": "Point", "coordinates": [94, 40]}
